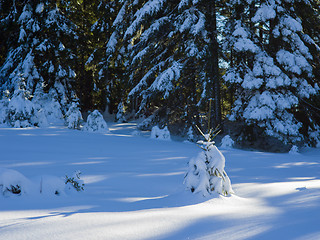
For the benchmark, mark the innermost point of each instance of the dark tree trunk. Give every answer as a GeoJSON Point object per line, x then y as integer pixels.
{"type": "Point", "coordinates": [214, 74]}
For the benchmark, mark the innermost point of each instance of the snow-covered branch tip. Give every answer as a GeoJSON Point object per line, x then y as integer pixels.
{"type": "Point", "coordinates": [208, 138]}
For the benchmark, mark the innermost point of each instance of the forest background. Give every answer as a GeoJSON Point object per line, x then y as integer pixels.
{"type": "Point", "coordinates": [248, 66]}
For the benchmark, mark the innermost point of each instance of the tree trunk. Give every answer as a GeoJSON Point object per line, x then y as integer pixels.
{"type": "Point", "coordinates": [214, 64]}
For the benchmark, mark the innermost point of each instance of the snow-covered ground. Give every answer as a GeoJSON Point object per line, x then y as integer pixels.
{"type": "Point", "coordinates": [134, 189]}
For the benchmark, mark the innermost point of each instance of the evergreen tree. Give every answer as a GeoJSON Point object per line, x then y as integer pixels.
{"type": "Point", "coordinates": [171, 55]}
{"type": "Point", "coordinates": [106, 61]}
{"type": "Point", "coordinates": [74, 117]}
{"type": "Point", "coordinates": [206, 174]}
{"type": "Point", "coordinates": [38, 61]}
{"type": "Point", "coordinates": [95, 123]}
{"type": "Point", "coordinates": [82, 14]}
{"type": "Point", "coordinates": [271, 69]}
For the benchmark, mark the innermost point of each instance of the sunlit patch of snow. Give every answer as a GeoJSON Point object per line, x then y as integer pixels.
{"type": "Point", "coordinates": [296, 164]}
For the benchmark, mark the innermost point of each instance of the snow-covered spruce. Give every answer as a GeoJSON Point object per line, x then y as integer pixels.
{"type": "Point", "coordinates": [272, 71]}
{"type": "Point", "coordinates": [294, 150]}
{"type": "Point", "coordinates": [95, 123]}
{"type": "Point", "coordinates": [206, 174]}
{"type": "Point", "coordinates": [161, 134]}
{"type": "Point", "coordinates": [73, 117]}
{"type": "Point", "coordinates": [190, 134]}
{"type": "Point", "coordinates": [38, 62]}
{"type": "Point", "coordinates": [227, 142]}
{"type": "Point", "coordinates": [120, 114]}
{"type": "Point", "coordinates": [21, 112]}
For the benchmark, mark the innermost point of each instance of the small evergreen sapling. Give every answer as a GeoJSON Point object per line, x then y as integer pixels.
{"type": "Point", "coordinates": [73, 117]}
{"type": "Point", "coordinates": [206, 173]}
{"type": "Point", "coordinates": [227, 142]}
{"type": "Point", "coordinates": [120, 118]}
{"type": "Point", "coordinates": [161, 134]}
{"type": "Point", "coordinates": [95, 123]}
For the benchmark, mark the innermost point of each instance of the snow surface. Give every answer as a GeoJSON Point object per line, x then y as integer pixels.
{"type": "Point", "coordinates": [134, 189]}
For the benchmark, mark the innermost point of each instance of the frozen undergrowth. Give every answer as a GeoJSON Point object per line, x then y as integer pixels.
{"type": "Point", "coordinates": [14, 183]}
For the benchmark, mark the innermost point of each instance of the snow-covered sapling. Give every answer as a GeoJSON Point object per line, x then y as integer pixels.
{"type": "Point", "coordinates": [227, 142]}
{"type": "Point", "coordinates": [95, 123]}
{"type": "Point", "coordinates": [73, 117]}
{"type": "Point", "coordinates": [190, 134]}
{"type": "Point", "coordinates": [206, 173]}
{"type": "Point", "coordinates": [294, 150]}
{"type": "Point", "coordinates": [75, 181]}
{"type": "Point", "coordinates": [161, 134]}
{"type": "Point", "coordinates": [20, 110]}
{"type": "Point", "coordinates": [120, 114]}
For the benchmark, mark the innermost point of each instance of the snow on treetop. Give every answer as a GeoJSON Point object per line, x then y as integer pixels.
{"type": "Point", "coordinates": [245, 44]}
{"type": "Point", "coordinates": [40, 8]}
{"type": "Point", "coordinates": [264, 13]}
{"type": "Point", "coordinates": [240, 31]}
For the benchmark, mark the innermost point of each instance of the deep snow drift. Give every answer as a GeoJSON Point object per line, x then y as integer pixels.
{"type": "Point", "coordinates": [134, 189]}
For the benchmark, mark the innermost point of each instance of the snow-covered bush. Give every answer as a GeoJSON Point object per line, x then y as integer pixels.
{"type": "Point", "coordinates": [227, 142]}
{"type": "Point", "coordinates": [206, 173]}
{"type": "Point", "coordinates": [20, 110]}
{"type": "Point", "coordinates": [3, 110]}
{"type": "Point", "coordinates": [13, 182]}
{"type": "Point", "coordinates": [95, 123]}
{"type": "Point", "coordinates": [294, 150]}
{"type": "Point", "coordinates": [161, 134]}
{"type": "Point", "coordinates": [75, 182]}
{"type": "Point", "coordinates": [190, 134]}
{"type": "Point", "coordinates": [120, 113]}
{"type": "Point", "coordinates": [48, 103]}
{"type": "Point", "coordinates": [73, 117]}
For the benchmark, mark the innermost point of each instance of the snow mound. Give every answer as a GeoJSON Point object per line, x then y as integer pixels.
{"type": "Point", "coordinates": [52, 185]}
{"type": "Point", "coordinates": [13, 182]}
{"type": "Point", "coordinates": [136, 133]}
{"type": "Point", "coordinates": [96, 123]}
{"type": "Point", "coordinates": [161, 134]}
{"type": "Point", "coordinates": [227, 142]}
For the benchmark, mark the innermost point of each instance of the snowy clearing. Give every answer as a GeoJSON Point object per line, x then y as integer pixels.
{"type": "Point", "coordinates": [134, 189]}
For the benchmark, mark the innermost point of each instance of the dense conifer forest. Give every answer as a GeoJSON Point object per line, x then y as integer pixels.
{"type": "Point", "coordinates": [250, 67]}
